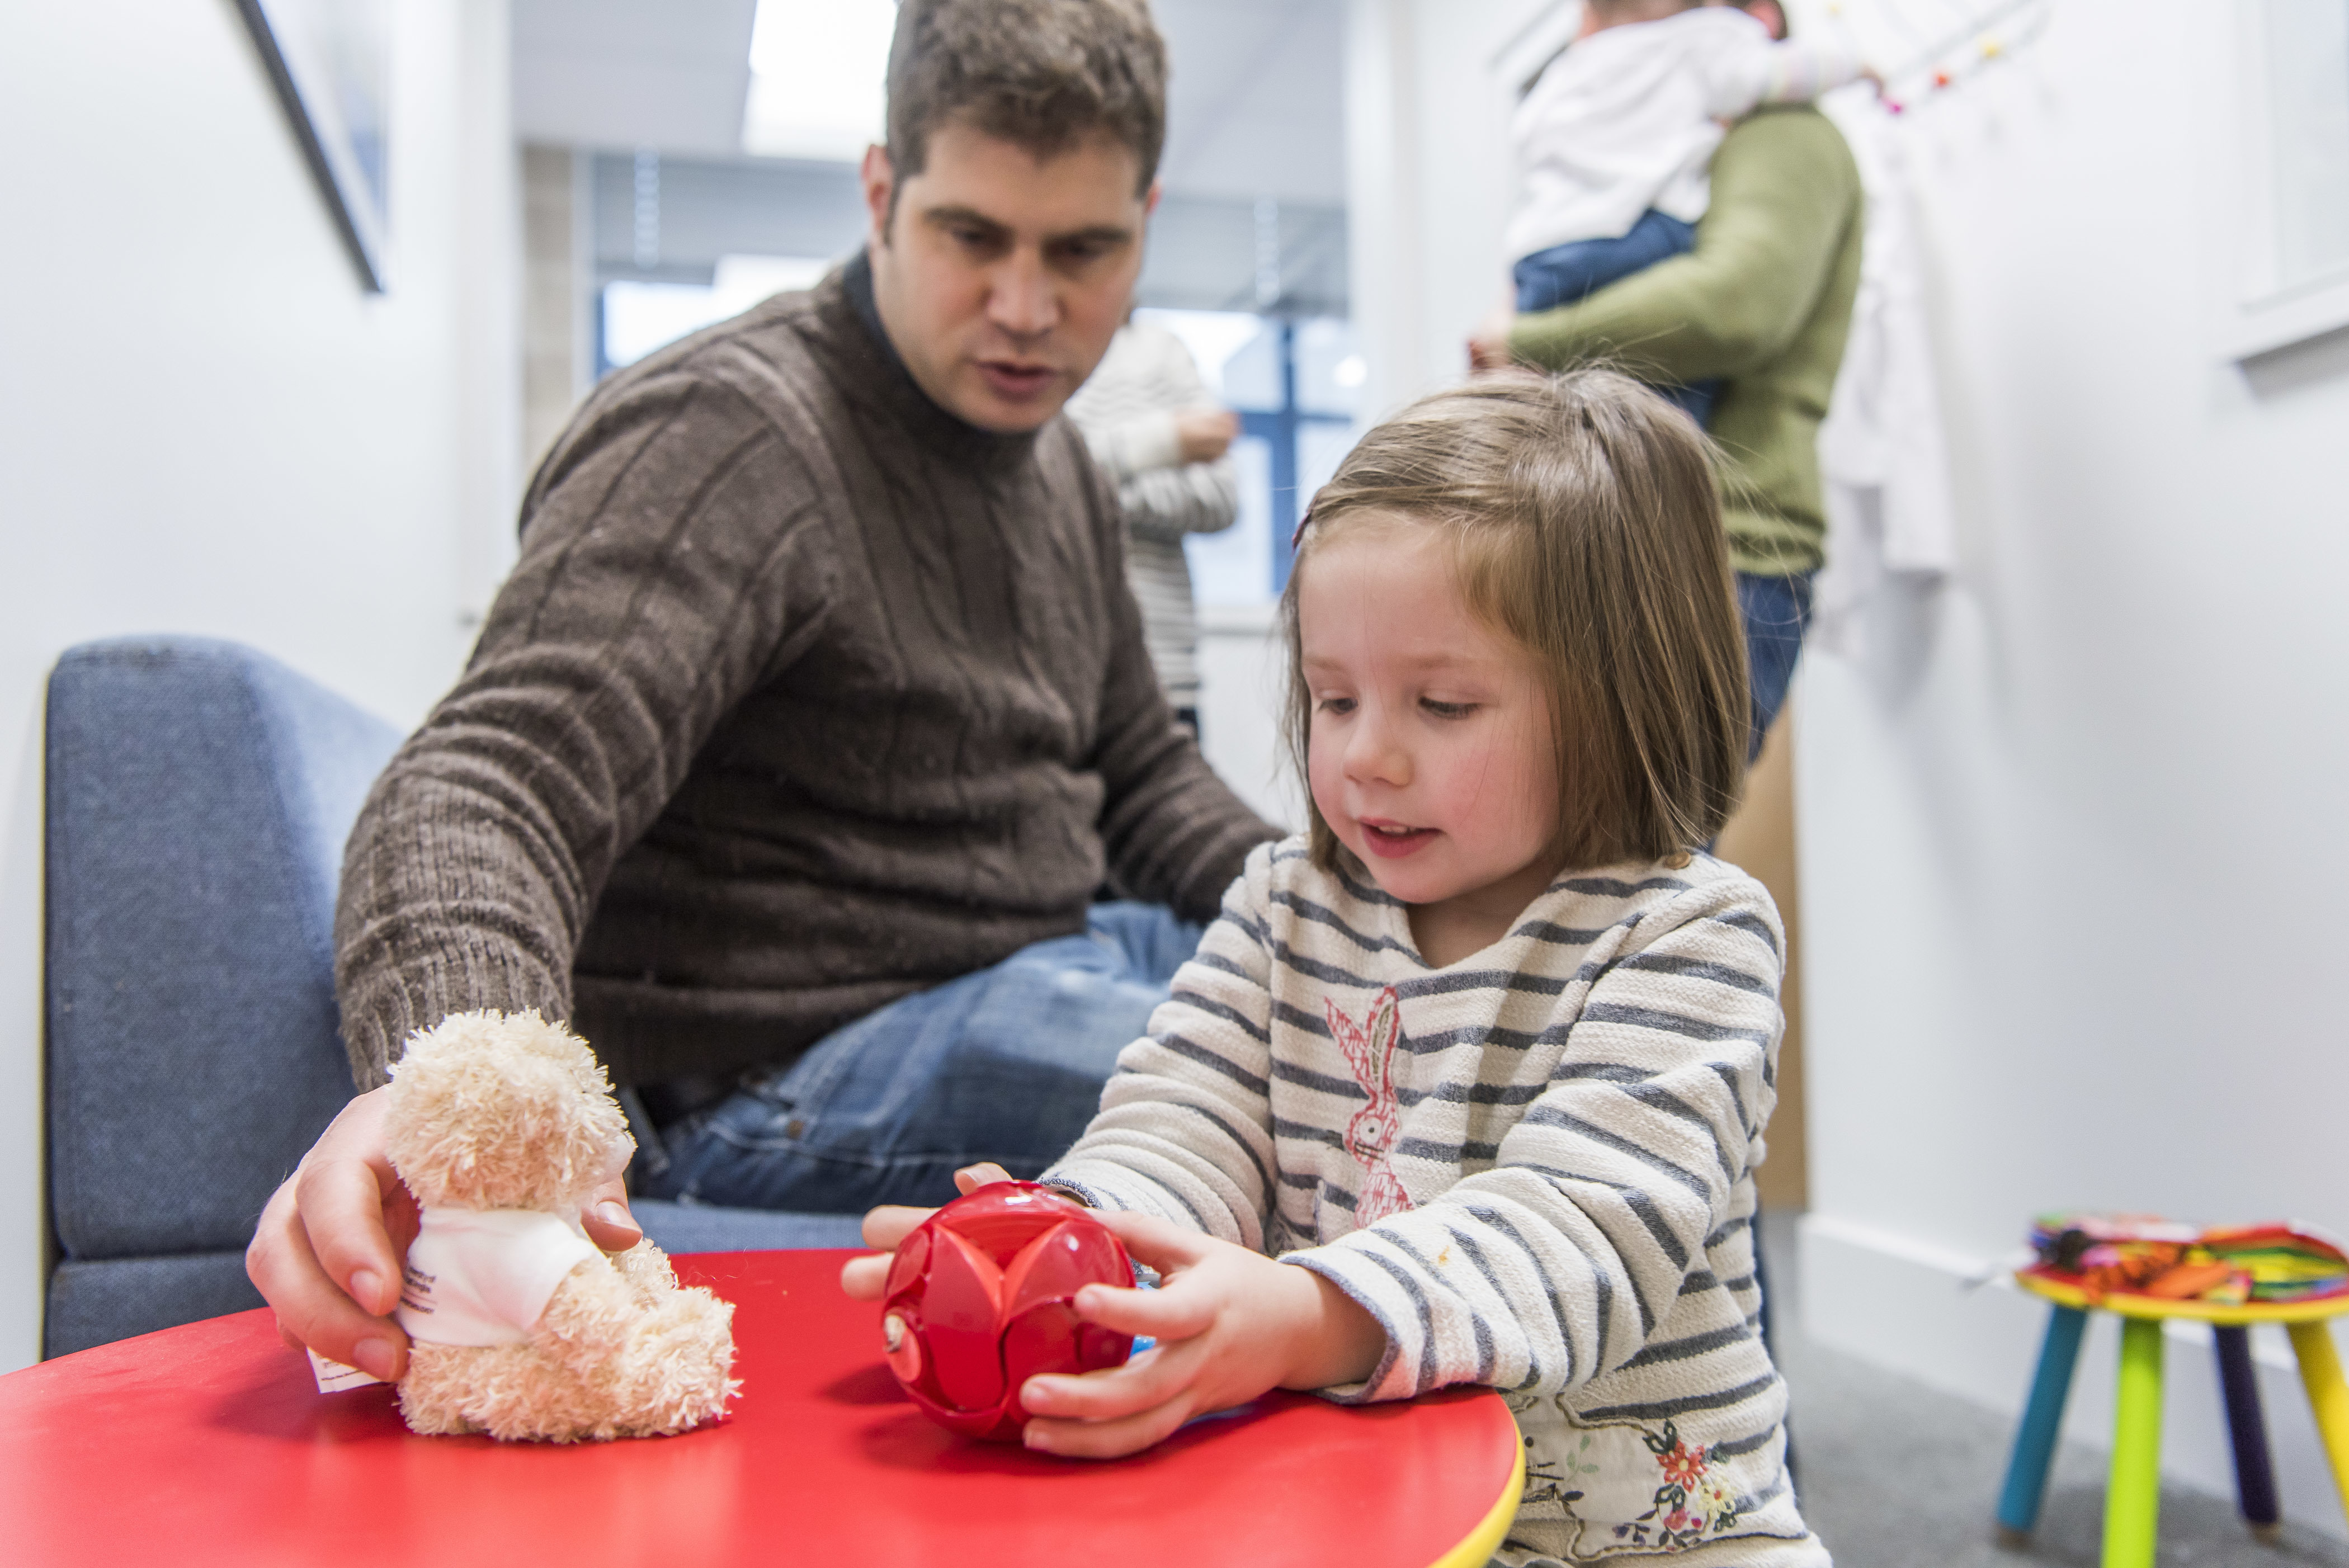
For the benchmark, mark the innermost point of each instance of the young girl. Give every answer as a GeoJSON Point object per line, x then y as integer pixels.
{"type": "Point", "coordinates": [1467, 1084]}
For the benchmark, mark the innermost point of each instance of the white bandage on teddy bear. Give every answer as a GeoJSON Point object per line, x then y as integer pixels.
{"type": "Point", "coordinates": [483, 1277]}
{"type": "Point", "coordinates": [501, 1127]}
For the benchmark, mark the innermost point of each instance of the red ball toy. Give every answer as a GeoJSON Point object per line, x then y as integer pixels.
{"type": "Point", "coordinates": [978, 1301]}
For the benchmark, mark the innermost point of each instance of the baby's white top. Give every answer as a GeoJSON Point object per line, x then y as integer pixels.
{"type": "Point", "coordinates": [1628, 118]}
{"type": "Point", "coordinates": [483, 1277]}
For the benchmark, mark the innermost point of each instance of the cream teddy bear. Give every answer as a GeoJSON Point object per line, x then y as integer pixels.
{"type": "Point", "coordinates": [501, 1125]}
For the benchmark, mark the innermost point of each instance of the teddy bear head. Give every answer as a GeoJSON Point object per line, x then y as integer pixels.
{"type": "Point", "coordinates": [502, 1111]}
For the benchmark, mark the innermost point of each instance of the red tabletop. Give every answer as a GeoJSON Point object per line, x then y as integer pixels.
{"type": "Point", "coordinates": [208, 1444]}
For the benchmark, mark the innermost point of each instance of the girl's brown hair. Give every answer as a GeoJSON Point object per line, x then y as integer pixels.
{"type": "Point", "coordinates": [1585, 524]}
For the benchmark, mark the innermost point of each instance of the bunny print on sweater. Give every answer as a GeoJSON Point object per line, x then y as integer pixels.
{"type": "Point", "coordinates": [1370, 1131]}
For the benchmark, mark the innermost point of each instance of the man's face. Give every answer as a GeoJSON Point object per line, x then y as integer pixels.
{"type": "Point", "coordinates": [1002, 277]}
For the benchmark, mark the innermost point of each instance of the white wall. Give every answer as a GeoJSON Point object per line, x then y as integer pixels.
{"type": "Point", "coordinates": [2072, 832]}
{"type": "Point", "coordinates": [206, 427]}
{"type": "Point", "coordinates": [1427, 183]}
{"type": "Point", "coordinates": [1243, 684]}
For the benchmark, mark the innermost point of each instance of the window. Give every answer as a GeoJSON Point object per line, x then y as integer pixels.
{"type": "Point", "coordinates": [639, 315]}
{"type": "Point", "coordinates": [1295, 383]}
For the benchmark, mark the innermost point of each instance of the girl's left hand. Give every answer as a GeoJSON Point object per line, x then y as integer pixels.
{"type": "Point", "coordinates": [1230, 1324]}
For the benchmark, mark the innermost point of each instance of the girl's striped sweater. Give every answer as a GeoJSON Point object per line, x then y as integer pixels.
{"type": "Point", "coordinates": [1533, 1166]}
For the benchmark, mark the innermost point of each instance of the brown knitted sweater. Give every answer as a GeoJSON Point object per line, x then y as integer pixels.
{"type": "Point", "coordinates": [803, 696]}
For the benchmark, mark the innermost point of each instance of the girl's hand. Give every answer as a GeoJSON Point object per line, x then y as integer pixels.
{"type": "Point", "coordinates": [865, 1278]}
{"type": "Point", "coordinates": [1230, 1325]}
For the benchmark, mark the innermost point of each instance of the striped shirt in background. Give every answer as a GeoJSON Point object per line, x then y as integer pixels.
{"type": "Point", "coordinates": [1533, 1166]}
{"type": "Point", "coordinates": [1126, 411]}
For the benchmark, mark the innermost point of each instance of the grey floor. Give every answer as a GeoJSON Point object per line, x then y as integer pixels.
{"type": "Point", "coordinates": [1896, 1475]}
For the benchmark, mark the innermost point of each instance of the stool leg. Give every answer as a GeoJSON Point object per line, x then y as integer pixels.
{"type": "Point", "coordinates": [2255, 1485]}
{"type": "Point", "coordinates": [2320, 1374]}
{"type": "Point", "coordinates": [2132, 1495]}
{"type": "Point", "coordinates": [2043, 1418]}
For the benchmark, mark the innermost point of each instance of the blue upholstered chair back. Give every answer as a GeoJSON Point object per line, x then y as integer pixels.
{"type": "Point", "coordinates": [199, 797]}
{"type": "Point", "coordinates": [199, 794]}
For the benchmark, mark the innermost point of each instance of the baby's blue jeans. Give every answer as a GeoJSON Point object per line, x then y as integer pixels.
{"type": "Point", "coordinates": [1564, 273]}
{"type": "Point", "coordinates": [1004, 1065]}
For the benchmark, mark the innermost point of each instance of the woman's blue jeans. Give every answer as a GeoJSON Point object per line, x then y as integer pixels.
{"type": "Point", "coordinates": [1776, 611]}
{"type": "Point", "coordinates": [1005, 1065]}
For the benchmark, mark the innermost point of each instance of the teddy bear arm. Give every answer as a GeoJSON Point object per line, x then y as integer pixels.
{"type": "Point", "coordinates": [646, 1269]}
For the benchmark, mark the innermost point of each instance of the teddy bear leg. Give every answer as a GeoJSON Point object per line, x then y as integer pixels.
{"type": "Point", "coordinates": [654, 1369]}
{"type": "Point", "coordinates": [451, 1389]}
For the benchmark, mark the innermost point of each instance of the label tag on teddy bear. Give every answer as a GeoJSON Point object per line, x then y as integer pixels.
{"type": "Point", "coordinates": [334, 1376]}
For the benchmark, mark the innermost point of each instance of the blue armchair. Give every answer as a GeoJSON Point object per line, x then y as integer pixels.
{"type": "Point", "coordinates": [198, 797]}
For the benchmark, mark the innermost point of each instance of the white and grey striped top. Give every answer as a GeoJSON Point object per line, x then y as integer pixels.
{"type": "Point", "coordinates": [1533, 1166]}
{"type": "Point", "coordinates": [1126, 412]}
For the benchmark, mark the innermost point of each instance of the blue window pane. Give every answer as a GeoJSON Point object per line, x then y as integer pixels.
{"type": "Point", "coordinates": [1330, 370]}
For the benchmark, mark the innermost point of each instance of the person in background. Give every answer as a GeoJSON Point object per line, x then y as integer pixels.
{"type": "Point", "coordinates": [1764, 302]}
{"type": "Point", "coordinates": [1614, 140]}
{"type": "Point", "coordinates": [814, 712]}
{"type": "Point", "coordinates": [1149, 422]}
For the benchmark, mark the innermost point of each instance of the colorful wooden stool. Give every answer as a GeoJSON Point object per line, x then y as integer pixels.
{"type": "Point", "coordinates": [2132, 1495]}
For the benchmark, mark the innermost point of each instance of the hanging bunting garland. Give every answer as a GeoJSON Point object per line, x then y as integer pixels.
{"type": "Point", "coordinates": [1936, 57]}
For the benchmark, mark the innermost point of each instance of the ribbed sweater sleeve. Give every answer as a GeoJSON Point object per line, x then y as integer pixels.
{"type": "Point", "coordinates": [655, 588]}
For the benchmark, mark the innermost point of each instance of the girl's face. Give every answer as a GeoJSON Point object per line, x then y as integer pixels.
{"type": "Point", "coordinates": [1430, 753]}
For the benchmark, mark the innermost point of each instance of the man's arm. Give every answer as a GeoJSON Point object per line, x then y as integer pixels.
{"type": "Point", "coordinates": [661, 575]}
{"type": "Point", "coordinates": [663, 570]}
{"type": "Point", "coordinates": [1783, 202]}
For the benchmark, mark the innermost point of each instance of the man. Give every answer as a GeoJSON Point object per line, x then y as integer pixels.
{"type": "Point", "coordinates": [1765, 300]}
{"type": "Point", "coordinates": [816, 699]}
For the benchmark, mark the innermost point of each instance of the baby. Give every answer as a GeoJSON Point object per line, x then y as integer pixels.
{"type": "Point", "coordinates": [1614, 140]}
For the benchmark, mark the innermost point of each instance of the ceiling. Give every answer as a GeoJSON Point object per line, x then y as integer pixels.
{"type": "Point", "coordinates": [1255, 105]}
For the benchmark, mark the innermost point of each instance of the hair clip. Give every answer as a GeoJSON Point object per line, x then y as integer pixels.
{"type": "Point", "coordinates": [1298, 536]}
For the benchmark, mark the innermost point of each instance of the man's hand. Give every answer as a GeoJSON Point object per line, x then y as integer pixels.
{"type": "Point", "coordinates": [863, 1279]}
{"type": "Point", "coordinates": [1231, 1324]}
{"type": "Point", "coordinates": [1206, 433]}
{"type": "Point", "coordinates": [328, 1252]}
{"type": "Point", "coordinates": [1488, 346]}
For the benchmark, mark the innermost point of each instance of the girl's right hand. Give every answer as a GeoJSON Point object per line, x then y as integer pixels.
{"type": "Point", "coordinates": [864, 1278]}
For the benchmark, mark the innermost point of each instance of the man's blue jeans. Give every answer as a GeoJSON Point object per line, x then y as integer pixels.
{"type": "Point", "coordinates": [1564, 275]}
{"type": "Point", "coordinates": [1004, 1065]}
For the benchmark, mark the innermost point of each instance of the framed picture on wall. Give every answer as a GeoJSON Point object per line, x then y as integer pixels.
{"type": "Point", "coordinates": [2290, 278]}
{"type": "Point", "coordinates": [331, 60]}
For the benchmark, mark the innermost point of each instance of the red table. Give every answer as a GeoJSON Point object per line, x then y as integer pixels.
{"type": "Point", "coordinates": [208, 1444]}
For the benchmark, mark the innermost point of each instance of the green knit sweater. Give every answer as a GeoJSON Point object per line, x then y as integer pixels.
{"type": "Point", "coordinates": [1763, 300]}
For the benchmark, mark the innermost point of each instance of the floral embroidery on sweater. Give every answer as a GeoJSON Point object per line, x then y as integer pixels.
{"type": "Point", "coordinates": [1369, 1047]}
{"type": "Point", "coordinates": [1687, 1505]}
